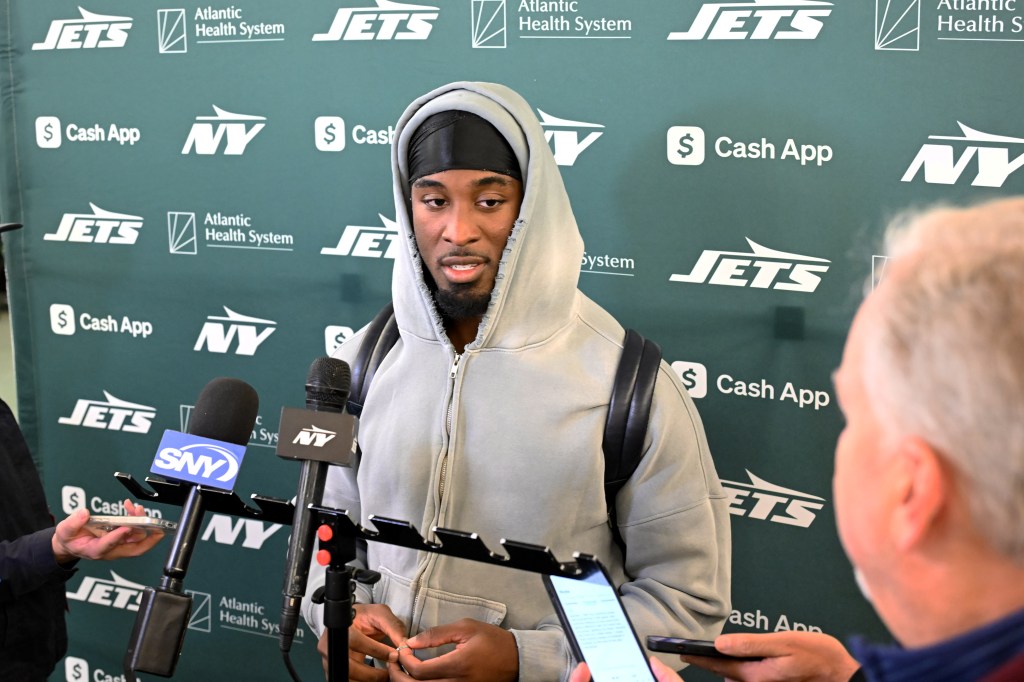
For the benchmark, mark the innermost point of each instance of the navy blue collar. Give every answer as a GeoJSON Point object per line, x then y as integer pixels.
{"type": "Point", "coordinates": [970, 656]}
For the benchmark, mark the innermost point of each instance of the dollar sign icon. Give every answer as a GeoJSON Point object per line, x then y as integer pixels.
{"type": "Point", "coordinates": [48, 132]}
{"type": "Point", "coordinates": [685, 148]}
{"type": "Point", "coordinates": [76, 671]}
{"type": "Point", "coordinates": [62, 319]}
{"type": "Point", "coordinates": [689, 379]}
{"type": "Point", "coordinates": [329, 133]}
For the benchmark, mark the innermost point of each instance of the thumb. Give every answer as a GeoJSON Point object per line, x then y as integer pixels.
{"type": "Point", "coordinates": [748, 645]}
{"type": "Point", "coordinates": [431, 637]}
{"type": "Point", "coordinates": [70, 526]}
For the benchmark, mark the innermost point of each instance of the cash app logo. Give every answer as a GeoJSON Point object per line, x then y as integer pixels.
{"type": "Point", "coordinates": [694, 377]}
{"type": "Point", "coordinates": [685, 145]}
{"type": "Point", "coordinates": [62, 319]}
{"type": "Point", "coordinates": [329, 133]}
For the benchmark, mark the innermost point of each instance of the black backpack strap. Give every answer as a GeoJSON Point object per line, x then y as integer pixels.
{"type": "Point", "coordinates": [629, 412]}
{"type": "Point", "coordinates": [381, 335]}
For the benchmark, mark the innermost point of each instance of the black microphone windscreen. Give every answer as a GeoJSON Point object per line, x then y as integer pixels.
{"type": "Point", "coordinates": [328, 384]}
{"type": "Point", "coordinates": [225, 410]}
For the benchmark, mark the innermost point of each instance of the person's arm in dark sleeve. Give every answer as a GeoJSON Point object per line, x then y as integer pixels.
{"type": "Point", "coordinates": [28, 563]}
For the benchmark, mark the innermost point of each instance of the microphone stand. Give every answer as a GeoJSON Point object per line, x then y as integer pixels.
{"type": "Point", "coordinates": [338, 535]}
{"type": "Point", "coordinates": [337, 597]}
{"type": "Point", "coordinates": [159, 631]}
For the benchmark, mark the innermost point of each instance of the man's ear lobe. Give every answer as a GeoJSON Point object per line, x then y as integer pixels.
{"type": "Point", "coordinates": [925, 489]}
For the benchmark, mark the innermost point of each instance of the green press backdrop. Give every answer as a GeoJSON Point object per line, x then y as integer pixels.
{"type": "Point", "coordinates": [205, 191]}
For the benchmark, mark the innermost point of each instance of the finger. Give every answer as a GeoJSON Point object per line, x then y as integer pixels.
{"type": "Point", "coordinates": [751, 645]}
{"type": "Point", "coordinates": [397, 674]}
{"type": "Point", "coordinates": [662, 673]}
{"type": "Point", "coordinates": [321, 648]}
{"type": "Point", "coordinates": [367, 646]}
{"type": "Point", "coordinates": [104, 546]}
{"type": "Point", "coordinates": [133, 547]}
{"type": "Point", "coordinates": [580, 674]}
{"type": "Point", "coordinates": [438, 636]}
{"type": "Point", "coordinates": [70, 527]}
{"type": "Point", "coordinates": [360, 672]}
{"type": "Point", "coordinates": [449, 666]}
{"type": "Point", "coordinates": [133, 509]}
{"type": "Point", "coordinates": [734, 669]}
{"type": "Point", "coordinates": [386, 623]}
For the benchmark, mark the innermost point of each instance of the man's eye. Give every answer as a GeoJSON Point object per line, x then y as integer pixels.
{"type": "Point", "coordinates": [434, 202]}
{"type": "Point", "coordinates": [491, 203]}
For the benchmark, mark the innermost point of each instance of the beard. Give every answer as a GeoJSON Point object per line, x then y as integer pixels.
{"type": "Point", "coordinates": [461, 302]}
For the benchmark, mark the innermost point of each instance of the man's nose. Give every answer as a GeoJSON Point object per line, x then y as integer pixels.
{"type": "Point", "coordinates": [462, 227]}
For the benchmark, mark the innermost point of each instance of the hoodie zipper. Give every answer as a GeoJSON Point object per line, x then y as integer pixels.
{"type": "Point", "coordinates": [448, 426]}
{"type": "Point", "coordinates": [444, 472]}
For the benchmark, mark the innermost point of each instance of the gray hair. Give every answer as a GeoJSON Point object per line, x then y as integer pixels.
{"type": "Point", "coordinates": [946, 362]}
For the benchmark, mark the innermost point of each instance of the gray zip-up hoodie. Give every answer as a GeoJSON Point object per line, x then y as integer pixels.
{"type": "Point", "coordinates": [505, 440]}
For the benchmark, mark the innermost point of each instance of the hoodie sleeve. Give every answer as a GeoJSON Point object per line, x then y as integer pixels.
{"type": "Point", "coordinates": [673, 515]}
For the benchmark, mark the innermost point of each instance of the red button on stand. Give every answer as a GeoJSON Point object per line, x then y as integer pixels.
{"type": "Point", "coordinates": [323, 557]}
{"type": "Point", "coordinates": [325, 533]}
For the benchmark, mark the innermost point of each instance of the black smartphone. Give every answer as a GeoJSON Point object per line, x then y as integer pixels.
{"type": "Point", "coordinates": [597, 626]}
{"type": "Point", "coordinates": [690, 647]}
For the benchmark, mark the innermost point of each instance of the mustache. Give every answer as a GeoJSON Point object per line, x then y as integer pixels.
{"type": "Point", "coordinates": [464, 253]}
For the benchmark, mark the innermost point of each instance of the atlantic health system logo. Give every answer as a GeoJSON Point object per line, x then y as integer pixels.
{"type": "Point", "coordinates": [489, 23]}
{"type": "Point", "coordinates": [898, 25]}
{"type": "Point", "coordinates": [172, 30]}
{"type": "Point", "coordinates": [223, 25]}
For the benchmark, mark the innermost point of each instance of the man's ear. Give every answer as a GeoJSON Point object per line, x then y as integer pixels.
{"type": "Point", "coordinates": [925, 489]}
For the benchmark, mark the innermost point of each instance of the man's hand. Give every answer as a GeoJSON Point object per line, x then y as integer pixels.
{"type": "Point", "coordinates": [375, 632]}
{"type": "Point", "coordinates": [787, 656]}
{"type": "Point", "coordinates": [72, 540]}
{"type": "Point", "coordinates": [483, 653]}
{"type": "Point", "coordinates": [662, 673]}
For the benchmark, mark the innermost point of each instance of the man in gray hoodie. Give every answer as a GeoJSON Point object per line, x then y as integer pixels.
{"type": "Point", "coordinates": [488, 416]}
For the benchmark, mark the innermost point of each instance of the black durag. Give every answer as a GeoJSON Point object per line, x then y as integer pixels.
{"type": "Point", "coordinates": [459, 140]}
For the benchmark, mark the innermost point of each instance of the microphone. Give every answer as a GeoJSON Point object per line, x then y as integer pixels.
{"type": "Point", "coordinates": [209, 455]}
{"type": "Point", "coordinates": [321, 435]}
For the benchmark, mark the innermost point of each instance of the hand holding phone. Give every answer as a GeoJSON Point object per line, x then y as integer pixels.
{"type": "Point", "coordinates": [690, 647]}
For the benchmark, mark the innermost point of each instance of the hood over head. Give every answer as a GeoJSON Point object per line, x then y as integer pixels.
{"type": "Point", "coordinates": [535, 291]}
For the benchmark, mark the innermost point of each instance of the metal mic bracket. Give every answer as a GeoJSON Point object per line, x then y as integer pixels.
{"type": "Point", "coordinates": [455, 543]}
{"type": "Point", "coordinates": [270, 509]}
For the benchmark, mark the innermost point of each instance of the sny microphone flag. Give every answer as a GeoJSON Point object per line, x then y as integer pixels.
{"type": "Point", "coordinates": [204, 461]}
